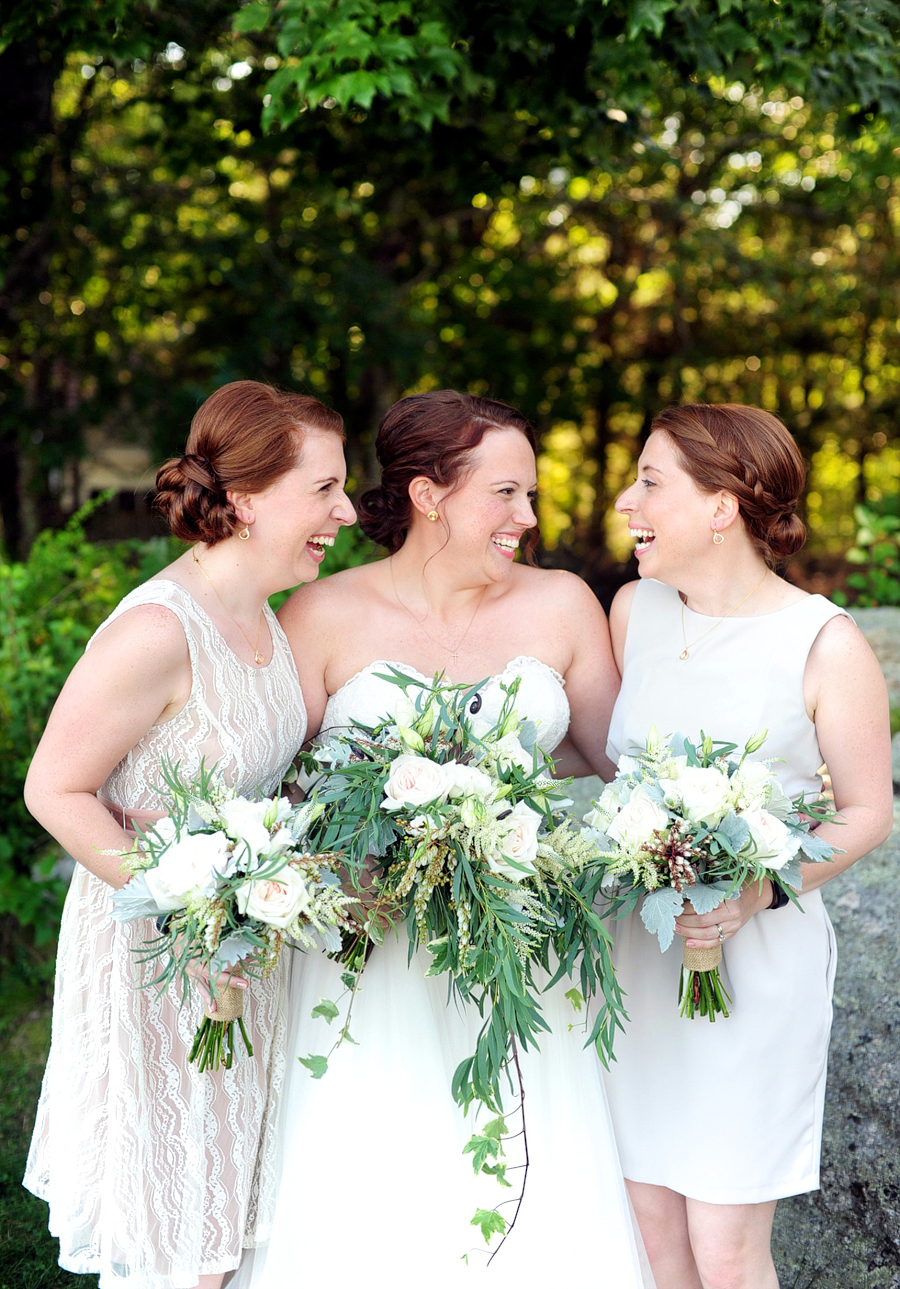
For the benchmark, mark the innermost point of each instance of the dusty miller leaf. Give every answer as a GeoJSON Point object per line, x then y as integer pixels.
{"type": "Point", "coordinates": [659, 911]}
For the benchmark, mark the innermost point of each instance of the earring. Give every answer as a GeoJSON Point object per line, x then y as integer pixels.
{"type": "Point", "coordinates": [433, 516]}
{"type": "Point", "coordinates": [244, 534]}
{"type": "Point", "coordinates": [718, 539]}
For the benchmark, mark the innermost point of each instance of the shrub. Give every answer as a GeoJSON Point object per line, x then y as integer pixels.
{"type": "Point", "coordinates": [877, 553]}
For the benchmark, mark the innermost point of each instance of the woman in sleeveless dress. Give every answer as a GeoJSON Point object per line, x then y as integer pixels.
{"type": "Point", "coordinates": [157, 1175]}
{"type": "Point", "coordinates": [373, 1181]}
{"type": "Point", "coordinates": [715, 1123]}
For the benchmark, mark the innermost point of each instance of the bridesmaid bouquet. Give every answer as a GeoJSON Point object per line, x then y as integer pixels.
{"type": "Point", "coordinates": [683, 822]}
{"type": "Point", "coordinates": [450, 821]}
{"type": "Point", "coordinates": [230, 884]}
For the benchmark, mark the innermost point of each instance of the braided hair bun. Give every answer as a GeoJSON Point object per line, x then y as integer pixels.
{"type": "Point", "coordinates": [243, 439]}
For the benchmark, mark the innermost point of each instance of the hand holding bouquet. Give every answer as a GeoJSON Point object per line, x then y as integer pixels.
{"type": "Point", "coordinates": [683, 822]}
{"type": "Point", "coordinates": [229, 883]}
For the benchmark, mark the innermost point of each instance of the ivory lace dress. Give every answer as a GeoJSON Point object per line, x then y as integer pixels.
{"type": "Point", "coordinates": [373, 1184]}
{"type": "Point", "coordinates": [157, 1174]}
{"type": "Point", "coordinates": [729, 1113]}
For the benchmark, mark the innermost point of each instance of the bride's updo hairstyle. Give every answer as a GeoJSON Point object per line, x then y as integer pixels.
{"type": "Point", "coordinates": [748, 452]}
{"type": "Point", "coordinates": [243, 438]}
{"type": "Point", "coordinates": [431, 435]}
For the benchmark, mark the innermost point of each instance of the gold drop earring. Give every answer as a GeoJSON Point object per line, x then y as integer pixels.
{"type": "Point", "coordinates": [718, 539]}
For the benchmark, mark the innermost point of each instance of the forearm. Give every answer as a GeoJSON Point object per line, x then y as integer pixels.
{"type": "Point", "coordinates": [85, 829]}
{"type": "Point", "coordinates": [863, 828]}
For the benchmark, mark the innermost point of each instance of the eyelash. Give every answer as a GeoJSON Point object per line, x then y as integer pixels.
{"type": "Point", "coordinates": [506, 492]}
{"type": "Point", "coordinates": [648, 483]}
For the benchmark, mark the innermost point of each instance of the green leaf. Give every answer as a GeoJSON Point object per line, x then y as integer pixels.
{"type": "Point", "coordinates": [326, 1009]}
{"type": "Point", "coordinates": [317, 1065]}
{"type": "Point", "coordinates": [576, 998]}
{"type": "Point", "coordinates": [491, 1223]}
{"type": "Point", "coordinates": [253, 17]}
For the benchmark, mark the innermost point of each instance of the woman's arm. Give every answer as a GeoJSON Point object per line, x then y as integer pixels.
{"type": "Point", "coordinates": [307, 622]}
{"type": "Point", "coordinates": [136, 673]}
{"type": "Point", "coordinates": [847, 698]}
{"type": "Point", "coordinates": [592, 681]}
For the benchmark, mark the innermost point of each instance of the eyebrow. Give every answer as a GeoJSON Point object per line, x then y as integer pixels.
{"type": "Point", "coordinates": [331, 478]}
{"type": "Point", "coordinates": [654, 468]}
{"type": "Point", "coordinates": [496, 483]}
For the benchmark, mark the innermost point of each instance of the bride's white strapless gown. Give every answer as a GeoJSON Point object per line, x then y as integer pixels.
{"type": "Point", "coordinates": [373, 1184]}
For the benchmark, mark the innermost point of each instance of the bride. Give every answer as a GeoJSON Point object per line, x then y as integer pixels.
{"type": "Point", "coordinates": [372, 1175]}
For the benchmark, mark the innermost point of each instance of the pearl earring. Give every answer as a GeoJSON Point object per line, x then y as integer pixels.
{"type": "Point", "coordinates": [433, 516]}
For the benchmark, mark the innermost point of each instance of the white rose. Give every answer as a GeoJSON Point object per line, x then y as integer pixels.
{"type": "Point", "coordinates": [186, 867]}
{"type": "Point", "coordinates": [705, 794]}
{"type": "Point", "coordinates": [519, 845]}
{"type": "Point", "coordinates": [414, 781]}
{"type": "Point", "coordinates": [638, 820]}
{"type": "Point", "coordinates": [277, 900]}
{"type": "Point", "coordinates": [605, 809]}
{"type": "Point", "coordinates": [165, 829]}
{"type": "Point", "coordinates": [751, 785]}
{"type": "Point", "coordinates": [246, 822]}
{"type": "Point", "coordinates": [467, 781]}
{"type": "Point", "coordinates": [771, 838]}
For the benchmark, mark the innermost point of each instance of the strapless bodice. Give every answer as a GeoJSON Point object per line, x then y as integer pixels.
{"type": "Point", "coordinates": [366, 698]}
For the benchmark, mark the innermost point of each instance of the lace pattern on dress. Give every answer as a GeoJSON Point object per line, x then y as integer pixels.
{"type": "Point", "coordinates": [156, 1174]}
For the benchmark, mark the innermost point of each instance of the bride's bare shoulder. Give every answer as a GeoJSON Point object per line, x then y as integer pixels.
{"type": "Point", "coordinates": [555, 587]}
{"type": "Point", "coordinates": [313, 605]}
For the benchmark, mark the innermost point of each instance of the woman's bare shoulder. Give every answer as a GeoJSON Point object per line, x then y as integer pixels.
{"type": "Point", "coordinates": [320, 601]}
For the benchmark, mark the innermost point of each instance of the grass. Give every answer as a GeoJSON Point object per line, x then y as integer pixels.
{"type": "Point", "coordinates": [27, 1251]}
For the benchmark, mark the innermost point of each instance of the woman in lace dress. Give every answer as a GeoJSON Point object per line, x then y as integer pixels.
{"type": "Point", "coordinates": [157, 1175]}
{"type": "Point", "coordinates": [711, 639]}
{"type": "Point", "coordinates": [373, 1179]}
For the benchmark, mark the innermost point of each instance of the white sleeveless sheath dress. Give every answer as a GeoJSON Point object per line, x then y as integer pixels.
{"type": "Point", "coordinates": [373, 1182]}
{"type": "Point", "coordinates": [731, 1112]}
{"type": "Point", "coordinates": [157, 1174]}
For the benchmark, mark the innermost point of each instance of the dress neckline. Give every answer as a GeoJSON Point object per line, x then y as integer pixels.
{"type": "Point", "coordinates": [407, 667]}
{"type": "Point", "coordinates": [751, 617]}
{"type": "Point", "coordinates": [271, 622]}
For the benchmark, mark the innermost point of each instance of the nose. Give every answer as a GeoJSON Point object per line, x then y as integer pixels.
{"type": "Point", "coordinates": [624, 503]}
{"type": "Point", "coordinates": [343, 511]}
{"type": "Point", "coordinates": [525, 514]}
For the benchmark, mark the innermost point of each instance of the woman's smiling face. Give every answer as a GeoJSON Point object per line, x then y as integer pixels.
{"type": "Point", "coordinates": [487, 515]}
{"type": "Point", "coordinates": [669, 517]}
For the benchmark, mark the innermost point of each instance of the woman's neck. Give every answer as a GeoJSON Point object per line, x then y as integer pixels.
{"type": "Point", "coordinates": [742, 586]}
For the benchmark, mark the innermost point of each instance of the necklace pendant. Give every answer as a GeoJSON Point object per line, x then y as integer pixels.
{"type": "Point", "coordinates": [683, 655]}
{"type": "Point", "coordinates": [257, 658]}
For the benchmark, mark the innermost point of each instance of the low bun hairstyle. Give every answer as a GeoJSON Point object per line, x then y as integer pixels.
{"type": "Point", "coordinates": [750, 453]}
{"type": "Point", "coordinates": [242, 439]}
{"type": "Point", "coordinates": [431, 435]}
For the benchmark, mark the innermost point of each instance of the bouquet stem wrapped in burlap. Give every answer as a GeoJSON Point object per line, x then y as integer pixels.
{"type": "Point", "coordinates": [701, 989]}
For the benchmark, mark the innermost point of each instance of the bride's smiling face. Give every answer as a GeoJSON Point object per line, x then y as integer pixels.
{"type": "Point", "coordinates": [670, 519]}
{"type": "Point", "coordinates": [489, 512]}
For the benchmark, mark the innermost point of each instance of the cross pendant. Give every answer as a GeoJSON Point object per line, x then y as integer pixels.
{"type": "Point", "coordinates": [455, 657]}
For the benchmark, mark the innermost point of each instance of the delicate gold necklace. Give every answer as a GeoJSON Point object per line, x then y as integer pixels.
{"type": "Point", "coordinates": [453, 650]}
{"type": "Point", "coordinates": [687, 647]}
{"type": "Point", "coordinates": [257, 656]}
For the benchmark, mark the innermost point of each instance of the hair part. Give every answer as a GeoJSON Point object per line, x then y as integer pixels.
{"type": "Point", "coordinates": [243, 438]}
{"type": "Point", "coordinates": [432, 435]}
{"type": "Point", "coordinates": [750, 453]}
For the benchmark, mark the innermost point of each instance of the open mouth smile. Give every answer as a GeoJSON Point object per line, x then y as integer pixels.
{"type": "Point", "coordinates": [316, 545]}
{"type": "Point", "coordinates": [643, 539]}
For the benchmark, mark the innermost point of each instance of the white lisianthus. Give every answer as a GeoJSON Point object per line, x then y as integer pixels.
{"type": "Point", "coordinates": [519, 845]}
{"type": "Point", "coordinates": [467, 781]}
{"type": "Point", "coordinates": [751, 785]}
{"type": "Point", "coordinates": [705, 794]}
{"type": "Point", "coordinates": [638, 820]}
{"type": "Point", "coordinates": [509, 751]}
{"type": "Point", "coordinates": [405, 711]}
{"type": "Point", "coordinates": [605, 809]}
{"type": "Point", "coordinates": [771, 838]}
{"type": "Point", "coordinates": [414, 781]}
{"type": "Point", "coordinates": [165, 830]}
{"type": "Point", "coordinates": [628, 765]}
{"type": "Point", "coordinates": [247, 822]}
{"type": "Point", "coordinates": [188, 866]}
{"type": "Point", "coordinates": [276, 901]}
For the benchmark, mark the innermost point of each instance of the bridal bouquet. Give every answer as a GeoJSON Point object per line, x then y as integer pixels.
{"type": "Point", "coordinates": [683, 822]}
{"type": "Point", "coordinates": [230, 883]}
{"type": "Point", "coordinates": [450, 821]}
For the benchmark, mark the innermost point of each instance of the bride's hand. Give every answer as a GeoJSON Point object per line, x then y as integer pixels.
{"type": "Point", "coordinates": [701, 930]}
{"type": "Point", "coordinates": [200, 977]}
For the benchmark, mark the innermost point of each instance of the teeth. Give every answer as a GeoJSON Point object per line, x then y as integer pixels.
{"type": "Point", "coordinates": [321, 541]}
{"type": "Point", "coordinates": [642, 537]}
{"type": "Point", "coordinates": [506, 542]}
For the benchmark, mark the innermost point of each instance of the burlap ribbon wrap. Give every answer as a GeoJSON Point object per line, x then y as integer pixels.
{"type": "Point", "coordinates": [702, 959]}
{"type": "Point", "coordinates": [229, 1005]}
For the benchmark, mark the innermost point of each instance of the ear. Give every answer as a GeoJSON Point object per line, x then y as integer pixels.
{"type": "Point", "coordinates": [727, 511]}
{"type": "Point", "coordinates": [243, 506]}
{"type": "Point", "coordinates": [425, 494]}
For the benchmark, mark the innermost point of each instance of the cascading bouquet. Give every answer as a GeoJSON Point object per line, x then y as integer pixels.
{"type": "Point", "coordinates": [453, 825]}
{"type": "Point", "coordinates": [683, 822]}
{"type": "Point", "coordinates": [230, 883]}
